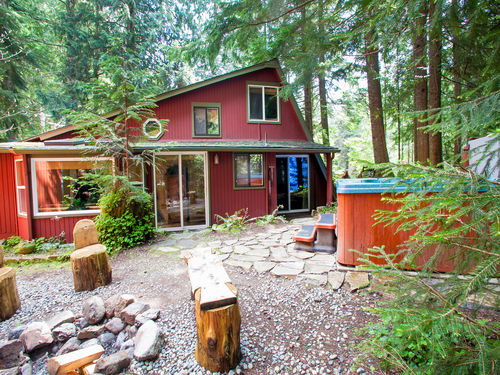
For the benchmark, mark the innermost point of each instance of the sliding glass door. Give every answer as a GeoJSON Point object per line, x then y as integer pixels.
{"type": "Point", "coordinates": [293, 182]}
{"type": "Point", "coordinates": [181, 190]}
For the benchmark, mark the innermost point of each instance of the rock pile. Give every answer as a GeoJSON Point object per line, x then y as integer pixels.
{"type": "Point", "coordinates": [123, 326]}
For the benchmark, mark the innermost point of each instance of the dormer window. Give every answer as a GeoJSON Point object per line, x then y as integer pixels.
{"type": "Point", "coordinates": [263, 103]}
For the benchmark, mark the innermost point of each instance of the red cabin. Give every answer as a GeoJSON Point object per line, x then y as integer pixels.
{"type": "Point", "coordinates": [231, 142]}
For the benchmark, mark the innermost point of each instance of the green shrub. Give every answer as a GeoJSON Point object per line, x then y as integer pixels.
{"type": "Point", "coordinates": [329, 208]}
{"type": "Point", "coordinates": [234, 223]}
{"type": "Point", "coordinates": [127, 217]}
{"type": "Point", "coordinates": [12, 242]}
{"type": "Point", "coordinates": [271, 218]}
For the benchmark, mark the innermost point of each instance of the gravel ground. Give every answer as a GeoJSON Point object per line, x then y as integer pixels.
{"type": "Point", "coordinates": [288, 326]}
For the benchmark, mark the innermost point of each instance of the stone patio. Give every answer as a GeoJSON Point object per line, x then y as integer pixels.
{"type": "Point", "coordinates": [270, 250]}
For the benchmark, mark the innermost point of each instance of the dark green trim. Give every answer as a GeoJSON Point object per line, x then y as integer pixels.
{"type": "Point", "coordinates": [249, 187]}
{"type": "Point", "coordinates": [206, 105]}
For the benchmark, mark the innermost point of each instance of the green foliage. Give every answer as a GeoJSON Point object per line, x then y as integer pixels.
{"type": "Point", "coordinates": [49, 245]}
{"type": "Point", "coordinates": [271, 218]}
{"type": "Point", "coordinates": [232, 223]}
{"type": "Point", "coordinates": [126, 217]}
{"type": "Point", "coordinates": [434, 325]}
{"type": "Point", "coordinates": [329, 208]}
{"type": "Point", "coordinates": [12, 242]}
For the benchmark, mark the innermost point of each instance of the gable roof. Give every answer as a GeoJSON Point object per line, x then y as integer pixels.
{"type": "Point", "coordinates": [273, 64]}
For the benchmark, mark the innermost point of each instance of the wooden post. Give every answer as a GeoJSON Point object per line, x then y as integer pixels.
{"type": "Point", "coordinates": [329, 191]}
{"type": "Point", "coordinates": [218, 347]}
{"type": "Point", "coordinates": [91, 267]}
{"type": "Point", "coordinates": [9, 297]}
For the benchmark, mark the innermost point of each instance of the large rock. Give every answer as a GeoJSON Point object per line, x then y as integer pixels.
{"type": "Point", "coordinates": [26, 247]}
{"type": "Point", "coordinates": [69, 346]}
{"type": "Point", "coordinates": [107, 339]}
{"type": "Point", "coordinates": [89, 343]}
{"type": "Point", "coordinates": [151, 314]}
{"type": "Point", "coordinates": [93, 309]}
{"type": "Point", "coordinates": [357, 280]}
{"type": "Point", "coordinates": [147, 342]}
{"type": "Point", "coordinates": [9, 353]}
{"type": "Point", "coordinates": [64, 332]}
{"type": "Point", "coordinates": [115, 304]}
{"type": "Point", "coordinates": [336, 279]}
{"type": "Point", "coordinates": [90, 332]}
{"type": "Point", "coordinates": [115, 325]}
{"type": "Point", "coordinates": [113, 364]}
{"type": "Point", "coordinates": [60, 318]}
{"type": "Point", "coordinates": [36, 335]}
{"type": "Point", "coordinates": [131, 311]}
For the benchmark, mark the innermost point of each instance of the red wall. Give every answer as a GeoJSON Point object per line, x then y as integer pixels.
{"type": "Point", "coordinates": [8, 208]}
{"type": "Point", "coordinates": [231, 94]}
{"type": "Point", "coordinates": [52, 227]}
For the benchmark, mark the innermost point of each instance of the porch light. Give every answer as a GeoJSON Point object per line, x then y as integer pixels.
{"type": "Point", "coordinates": [216, 159]}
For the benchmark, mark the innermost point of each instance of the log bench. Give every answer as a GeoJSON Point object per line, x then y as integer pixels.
{"type": "Point", "coordinates": [9, 296]}
{"type": "Point", "coordinates": [325, 229]}
{"type": "Point", "coordinates": [304, 239]}
{"type": "Point", "coordinates": [76, 362]}
{"type": "Point", "coordinates": [89, 261]}
{"type": "Point", "coordinates": [217, 314]}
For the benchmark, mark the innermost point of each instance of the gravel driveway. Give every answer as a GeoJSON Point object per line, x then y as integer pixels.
{"type": "Point", "coordinates": [289, 326]}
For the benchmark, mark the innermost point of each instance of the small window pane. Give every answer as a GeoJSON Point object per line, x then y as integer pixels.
{"type": "Point", "coordinates": [213, 121]}
{"type": "Point", "coordinates": [255, 94]}
{"type": "Point", "coordinates": [21, 200]}
{"type": "Point", "coordinates": [241, 167]}
{"type": "Point", "coordinates": [200, 121]}
{"type": "Point", "coordinates": [19, 173]}
{"type": "Point", "coordinates": [256, 176]}
{"type": "Point", "coordinates": [271, 101]}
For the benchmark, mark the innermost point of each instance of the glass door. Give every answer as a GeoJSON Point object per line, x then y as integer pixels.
{"type": "Point", "coordinates": [293, 182]}
{"type": "Point", "coordinates": [180, 191]}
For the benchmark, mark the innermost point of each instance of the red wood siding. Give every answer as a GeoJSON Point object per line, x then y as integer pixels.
{"type": "Point", "coordinates": [318, 183]}
{"type": "Point", "coordinates": [8, 209]}
{"type": "Point", "coordinates": [224, 198]}
{"type": "Point", "coordinates": [231, 94]}
{"type": "Point", "coordinates": [52, 227]}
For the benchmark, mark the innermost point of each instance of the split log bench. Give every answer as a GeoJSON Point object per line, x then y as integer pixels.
{"type": "Point", "coordinates": [89, 261]}
{"type": "Point", "coordinates": [304, 239]}
{"type": "Point", "coordinates": [9, 296]}
{"type": "Point", "coordinates": [76, 362]}
{"type": "Point", "coordinates": [318, 237]}
{"type": "Point", "coordinates": [325, 228]}
{"type": "Point", "coordinates": [217, 314]}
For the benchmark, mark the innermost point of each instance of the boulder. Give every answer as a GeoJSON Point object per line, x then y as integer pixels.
{"type": "Point", "coordinates": [89, 343]}
{"type": "Point", "coordinates": [26, 247]}
{"type": "Point", "coordinates": [115, 325]}
{"type": "Point", "coordinates": [69, 346]}
{"type": "Point", "coordinates": [90, 332]}
{"type": "Point", "coordinates": [151, 314]}
{"type": "Point", "coordinates": [148, 342]}
{"type": "Point", "coordinates": [107, 339]}
{"type": "Point", "coordinates": [93, 309]}
{"type": "Point", "coordinates": [113, 364]}
{"type": "Point", "coordinates": [115, 304]}
{"type": "Point", "coordinates": [60, 318]}
{"type": "Point", "coordinates": [357, 280]}
{"type": "Point", "coordinates": [9, 353]}
{"type": "Point", "coordinates": [129, 313]}
{"type": "Point", "coordinates": [64, 331]}
{"type": "Point", "coordinates": [15, 333]}
{"type": "Point", "coordinates": [36, 335]}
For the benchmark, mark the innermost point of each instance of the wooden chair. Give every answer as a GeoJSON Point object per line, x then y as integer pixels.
{"type": "Point", "coordinates": [89, 261]}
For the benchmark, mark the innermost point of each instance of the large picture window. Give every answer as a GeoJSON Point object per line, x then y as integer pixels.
{"type": "Point", "coordinates": [263, 103]}
{"type": "Point", "coordinates": [60, 186]}
{"type": "Point", "coordinates": [248, 170]}
{"type": "Point", "coordinates": [206, 120]}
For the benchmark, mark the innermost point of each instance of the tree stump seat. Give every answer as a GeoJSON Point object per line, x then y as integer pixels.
{"type": "Point", "coordinates": [9, 296]}
{"type": "Point", "coordinates": [217, 314]}
{"type": "Point", "coordinates": [89, 261]}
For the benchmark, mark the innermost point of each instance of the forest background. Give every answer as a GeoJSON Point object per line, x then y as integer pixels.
{"type": "Point", "coordinates": [381, 80]}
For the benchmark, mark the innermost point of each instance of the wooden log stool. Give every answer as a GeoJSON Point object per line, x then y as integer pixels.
{"type": "Point", "coordinates": [325, 229]}
{"type": "Point", "coordinates": [89, 261]}
{"type": "Point", "coordinates": [217, 314]}
{"type": "Point", "coordinates": [9, 296]}
{"type": "Point", "coordinates": [304, 239]}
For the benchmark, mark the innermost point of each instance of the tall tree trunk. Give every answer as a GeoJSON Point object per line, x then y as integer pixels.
{"type": "Point", "coordinates": [420, 89]}
{"type": "Point", "coordinates": [435, 142]}
{"type": "Point", "coordinates": [323, 104]}
{"type": "Point", "coordinates": [380, 154]}
{"type": "Point", "coordinates": [457, 144]}
{"type": "Point", "coordinates": [308, 83]}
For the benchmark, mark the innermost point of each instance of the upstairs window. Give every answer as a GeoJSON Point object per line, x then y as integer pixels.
{"type": "Point", "coordinates": [206, 120]}
{"type": "Point", "coordinates": [248, 170]}
{"type": "Point", "coordinates": [263, 103]}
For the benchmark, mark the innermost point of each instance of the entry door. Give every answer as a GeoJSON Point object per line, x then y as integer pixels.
{"type": "Point", "coordinates": [181, 190]}
{"type": "Point", "coordinates": [293, 182]}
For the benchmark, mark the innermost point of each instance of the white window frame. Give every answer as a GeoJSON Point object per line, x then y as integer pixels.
{"type": "Point", "coordinates": [19, 189]}
{"type": "Point", "coordinates": [262, 88]}
{"type": "Point", "coordinates": [160, 132]}
{"type": "Point", "coordinates": [38, 214]}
